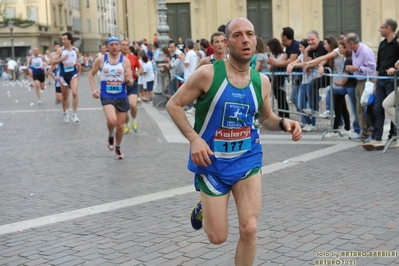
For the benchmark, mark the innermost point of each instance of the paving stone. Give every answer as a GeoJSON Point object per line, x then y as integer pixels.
{"type": "Point", "coordinates": [307, 207]}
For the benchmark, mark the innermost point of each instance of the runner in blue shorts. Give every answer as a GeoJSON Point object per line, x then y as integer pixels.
{"type": "Point", "coordinates": [115, 73]}
{"type": "Point", "coordinates": [225, 150]}
{"type": "Point", "coordinates": [66, 56]}
{"type": "Point", "coordinates": [36, 66]}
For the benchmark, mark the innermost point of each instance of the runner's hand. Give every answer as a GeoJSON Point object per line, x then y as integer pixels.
{"type": "Point", "coordinates": [200, 152]}
{"type": "Point", "coordinates": [96, 94]}
{"type": "Point", "coordinates": [294, 128]}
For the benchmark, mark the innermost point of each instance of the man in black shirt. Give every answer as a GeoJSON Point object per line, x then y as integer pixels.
{"type": "Point", "coordinates": [388, 54]}
{"type": "Point", "coordinates": [181, 45]}
{"type": "Point", "coordinates": [314, 50]}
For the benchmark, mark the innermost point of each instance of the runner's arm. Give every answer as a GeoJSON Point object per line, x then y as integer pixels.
{"type": "Point", "coordinates": [57, 56]}
{"type": "Point", "coordinates": [128, 72]}
{"type": "Point", "coordinates": [96, 67]}
{"type": "Point", "coordinates": [195, 86]}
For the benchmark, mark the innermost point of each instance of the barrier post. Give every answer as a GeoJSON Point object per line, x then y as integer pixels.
{"type": "Point", "coordinates": [396, 93]}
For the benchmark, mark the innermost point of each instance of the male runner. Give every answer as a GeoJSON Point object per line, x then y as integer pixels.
{"type": "Point", "coordinates": [36, 68]}
{"type": "Point", "coordinates": [115, 75]}
{"type": "Point", "coordinates": [226, 155]}
{"type": "Point", "coordinates": [132, 91]}
{"type": "Point", "coordinates": [67, 57]}
{"type": "Point", "coordinates": [218, 41]}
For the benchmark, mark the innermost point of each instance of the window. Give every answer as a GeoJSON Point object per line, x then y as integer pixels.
{"type": "Point", "coordinates": [9, 12]}
{"type": "Point", "coordinates": [88, 25]}
{"type": "Point", "coordinates": [32, 13]}
{"type": "Point", "coordinates": [87, 3]}
{"type": "Point", "coordinates": [66, 18]}
{"type": "Point", "coordinates": [54, 17]}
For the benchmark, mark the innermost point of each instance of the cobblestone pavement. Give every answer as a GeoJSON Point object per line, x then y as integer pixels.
{"type": "Point", "coordinates": [65, 200]}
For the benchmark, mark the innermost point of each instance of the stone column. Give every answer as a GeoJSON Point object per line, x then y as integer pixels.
{"type": "Point", "coordinates": [163, 40]}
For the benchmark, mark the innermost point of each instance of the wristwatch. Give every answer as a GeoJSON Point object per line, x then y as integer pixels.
{"type": "Point", "coordinates": [281, 124]}
{"type": "Point", "coordinates": [359, 69]}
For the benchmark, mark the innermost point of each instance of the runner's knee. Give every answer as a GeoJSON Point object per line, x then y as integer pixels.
{"type": "Point", "coordinates": [217, 237]}
{"type": "Point", "coordinates": [248, 228]}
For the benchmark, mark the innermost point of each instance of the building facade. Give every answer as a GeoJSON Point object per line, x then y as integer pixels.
{"type": "Point", "coordinates": [40, 23]}
{"type": "Point", "coordinates": [91, 22]}
{"type": "Point", "coordinates": [198, 19]}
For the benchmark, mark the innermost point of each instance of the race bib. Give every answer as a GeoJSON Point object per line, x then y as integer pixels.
{"type": "Point", "coordinates": [36, 66]}
{"type": "Point", "coordinates": [69, 68]}
{"type": "Point", "coordinates": [113, 87]}
{"type": "Point", "coordinates": [231, 143]}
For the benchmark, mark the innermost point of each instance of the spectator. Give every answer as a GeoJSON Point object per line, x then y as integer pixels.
{"type": "Point", "coordinates": [261, 58]}
{"type": "Point", "coordinates": [149, 51]}
{"type": "Point", "coordinates": [148, 77]}
{"type": "Point", "coordinates": [222, 28]}
{"type": "Point", "coordinates": [315, 49]}
{"type": "Point", "coordinates": [363, 64]}
{"type": "Point", "coordinates": [144, 45]}
{"type": "Point", "coordinates": [206, 47]}
{"type": "Point", "coordinates": [165, 67]}
{"type": "Point", "coordinates": [276, 54]}
{"type": "Point", "coordinates": [335, 60]}
{"type": "Point", "coordinates": [389, 106]}
{"type": "Point", "coordinates": [181, 45]}
{"type": "Point", "coordinates": [12, 69]}
{"type": "Point", "coordinates": [176, 68]}
{"type": "Point", "coordinates": [190, 61]}
{"type": "Point", "coordinates": [308, 123]}
{"type": "Point", "coordinates": [291, 50]}
{"type": "Point", "coordinates": [157, 51]}
{"type": "Point", "coordinates": [387, 56]}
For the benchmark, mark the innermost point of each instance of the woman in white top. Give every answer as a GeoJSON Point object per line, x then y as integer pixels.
{"type": "Point", "coordinates": [148, 77]}
{"type": "Point", "coordinates": [277, 53]}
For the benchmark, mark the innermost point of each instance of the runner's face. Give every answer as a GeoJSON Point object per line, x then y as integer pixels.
{"type": "Point", "coordinates": [65, 40]}
{"type": "Point", "coordinates": [114, 48]}
{"type": "Point", "coordinates": [219, 44]}
{"type": "Point", "coordinates": [124, 47]}
{"type": "Point", "coordinates": [241, 40]}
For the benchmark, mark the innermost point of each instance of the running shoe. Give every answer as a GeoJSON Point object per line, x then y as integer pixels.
{"type": "Point", "coordinates": [39, 101]}
{"type": "Point", "coordinates": [135, 126]}
{"type": "Point", "coordinates": [111, 143]}
{"type": "Point", "coordinates": [118, 153]}
{"type": "Point", "coordinates": [75, 118]}
{"type": "Point", "coordinates": [196, 216]}
{"type": "Point", "coordinates": [126, 129]}
{"type": "Point", "coordinates": [65, 116]}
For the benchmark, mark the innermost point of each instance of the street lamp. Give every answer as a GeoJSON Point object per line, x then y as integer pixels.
{"type": "Point", "coordinates": [11, 27]}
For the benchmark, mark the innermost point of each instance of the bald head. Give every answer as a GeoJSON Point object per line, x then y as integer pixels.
{"type": "Point", "coordinates": [234, 22]}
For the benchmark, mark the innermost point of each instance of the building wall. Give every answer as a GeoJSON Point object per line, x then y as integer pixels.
{"type": "Point", "coordinates": [57, 16]}
{"type": "Point", "coordinates": [302, 15]}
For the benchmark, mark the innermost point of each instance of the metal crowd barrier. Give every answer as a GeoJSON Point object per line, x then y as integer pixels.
{"type": "Point", "coordinates": [282, 75]}
{"type": "Point", "coordinates": [291, 94]}
{"type": "Point", "coordinates": [396, 93]}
